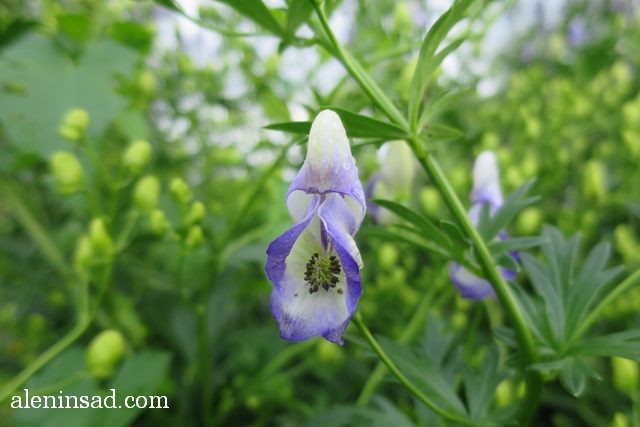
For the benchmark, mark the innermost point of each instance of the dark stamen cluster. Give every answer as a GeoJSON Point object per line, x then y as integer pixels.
{"type": "Point", "coordinates": [322, 271]}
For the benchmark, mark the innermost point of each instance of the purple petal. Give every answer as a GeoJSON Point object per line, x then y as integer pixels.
{"type": "Point", "coordinates": [469, 285]}
{"type": "Point", "coordinates": [299, 313]}
{"type": "Point", "coordinates": [486, 180]}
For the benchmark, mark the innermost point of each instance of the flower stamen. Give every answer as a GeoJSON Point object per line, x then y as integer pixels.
{"type": "Point", "coordinates": [322, 271]}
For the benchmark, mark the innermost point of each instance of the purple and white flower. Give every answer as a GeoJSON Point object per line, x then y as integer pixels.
{"type": "Point", "coordinates": [486, 191]}
{"type": "Point", "coordinates": [315, 265]}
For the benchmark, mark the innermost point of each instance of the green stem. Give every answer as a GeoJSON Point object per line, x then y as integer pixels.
{"type": "Point", "coordinates": [43, 359]}
{"type": "Point", "coordinates": [357, 319]}
{"type": "Point", "coordinates": [627, 283]}
{"type": "Point", "coordinates": [37, 232]}
{"type": "Point", "coordinates": [357, 72]}
{"type": "Point", "coordinates": [502, 290]}
{"type": "Point", "coordinates": [412, 328]}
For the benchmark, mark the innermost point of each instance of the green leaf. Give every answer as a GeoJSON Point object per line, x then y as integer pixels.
{"type": "Point", "coordinates": [141, 375]}
{"type": "Point", "coordinates": [298, 128]}
{"type": "Point", "coordinates": [75, 26]}
{"type": "Point", "coordinates": [412, 239]}
{"type": "Point", "coordinates": [429, 230]}
{"type": "Point", "coordinates": [359, 126]}
{"type": "Point", "coordinates": [623, 344]}
{"type": "Point", "coordinates": [426, 374]}
{"type": "Point", "coordinates": [428, 49]}
{"type": "Point", "coordinates": [356, 126]}
{"type": "Point", "coordinates": [439, 132]}
{"type": "Point", "coordinates": [256, 11]}
{"type": "Point", "coordinates": [573, 376]}
{"type": "Point", "coordinates": [51, 83]}
{"type": "Point", "coordinates": [445, 100]}
{"type": "Point", "coordinates": [298, 12]}
{"type": "Point", "coordinates": [490, 226]}
{"type": "Point", "coordinates": [503, 247]}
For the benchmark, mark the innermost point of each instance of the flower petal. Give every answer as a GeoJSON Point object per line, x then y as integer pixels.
{"type": "Point", "coordinates": [300, 314]}
{"type": "Point", "coordinates": [470, 286]}
{"type": "Point", "coordinates": [329, 166]}
{"type": "Point", "coordinates": [338, 220]}
{"type": "Point", "coordinates": [486, 180]}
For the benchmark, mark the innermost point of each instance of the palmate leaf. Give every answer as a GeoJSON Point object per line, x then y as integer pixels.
{"type": "Point", "coordinates": [480, 386]}
{"type": "Point", "coordinates": [573, 373]}
{"type": "Point", "coordinates": [623, 344]}
{"type": "Point", "coordinates": [356, 125]}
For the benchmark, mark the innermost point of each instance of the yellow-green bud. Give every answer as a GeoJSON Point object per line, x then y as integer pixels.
{"type": "Point", "coordinates": [158, 222]}
{"type": "Point", "coordinates": [595, 186]}
{"type": "Point", "coordinates": [619, 420]}
{"type": "Point", "coordinates": [627, 244]}
{"type": "Point", "coordinates": [625, 374]}
{"type": "Point", "coordinates": [74, 124]}
{"type": "Point", "coordinates": [196, 213]}
{"type": "Point", "coordinates": [104, 353]}
{"type": "Point", "coordinates": [101, 242]}
{"type": "Point", "coordinates": [430, 200]}
{"type": "Point", "coordinates": [84, 253]}
{"type": "Point", "coordinates": [137, 155]}
{"type": "Point", "coordinates": [67, 172]}
{"type": "Point", "coordinates": [387, 256]}
{"type": "Point", "coordinates": [401, 17]}
{"type": "Point", "coordinates": [146, 193]}
{"type": "Point", "coordinates": [490, 141]}
{"type": "Point", "coordinates": [194, 237]}
{"type": "Point", "coordinates": [329, 353]}
{"type": "Point", "coordinates": [504, 393]}
{"type": "Point", "coordinates": [180, 190]}
{"type": "Point", "coordinates": [147, 82]}
{"type": "Point", "coordinates": [529, 221]}
{"type": "Point", "coordinates": [459, 320]}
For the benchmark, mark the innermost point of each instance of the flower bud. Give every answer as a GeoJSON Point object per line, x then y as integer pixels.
{"type": "Point", "coordinates": [529, 221]}
{"type": "Point", "coordinates": [74, 124]}
{"type": "Point", "coordinates": [137, 155]}
{"type": "Point", "coordinates": [328, 148]}
{"type": "Point", "coordinates": [84, 253]}
{"type": "Point", "coordinates": [387, 256]}
{"type": "Point", "coordinates": [625, 374]}
{"type": "Point", "coordinates": [101, 243]}
{"type": "Point", "coordinates": [180, 191]}
{"type": "Point", "coordinates": [194, 237]}
{"type": "Point", "coordinates": [430, 200]}
{"type": "Point", "coordinates": [504, 393]}
{"type": "Point", "coordinates": [67, 172]}
{"type": "Point", "coordinates": [627, 244]}
{"type": "Point", "coordinates": [158, 222]}
{"type": "Point", "coordinates": [146, 82]}
{"type": "Point", "coordinates": [146, 193]}
{"type": "Point", "coordinates": [196, 213]}
{"type": "Point", "coordinates": [104, 353]}
{"type": "Point", "coordinates": [331, 355]}
{"type": "Point", "coordinates": [619, 420]}
{"type": "Point", "coordinates": [595, 186]}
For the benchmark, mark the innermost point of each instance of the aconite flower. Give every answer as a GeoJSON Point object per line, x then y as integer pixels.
{"type": "Point", "coordinates": [315, 265]}
{"type": "Point", "coordinates": [486, 191]}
